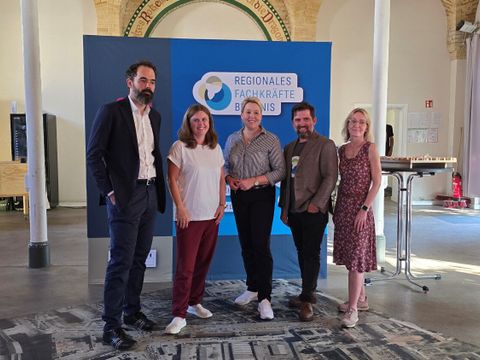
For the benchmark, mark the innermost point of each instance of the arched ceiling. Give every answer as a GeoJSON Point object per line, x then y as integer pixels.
{"type": "Point", "coordinates": [297, 16]}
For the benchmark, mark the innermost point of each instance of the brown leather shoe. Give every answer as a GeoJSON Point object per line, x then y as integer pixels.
{"type": "Point", "coordinates": [306, 311]}
{"type": "Point", "coordinates": [295, 302]}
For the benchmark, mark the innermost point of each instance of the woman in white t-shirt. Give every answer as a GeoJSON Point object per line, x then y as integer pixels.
{"type": "Point", "coordinates": [196, 183]}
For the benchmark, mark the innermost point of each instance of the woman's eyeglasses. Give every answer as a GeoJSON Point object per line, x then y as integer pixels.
{"type": "Point", "coordinates": [357, 122]}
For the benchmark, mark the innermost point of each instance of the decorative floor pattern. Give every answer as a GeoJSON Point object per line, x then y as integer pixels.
{"type": "Point", "coordinates": [233, 333]}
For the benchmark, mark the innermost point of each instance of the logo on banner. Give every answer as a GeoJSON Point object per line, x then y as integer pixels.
{"type": "Point", "coordinates": [213, 93]}
{"type": "Point", "coordinates": [223, 92]}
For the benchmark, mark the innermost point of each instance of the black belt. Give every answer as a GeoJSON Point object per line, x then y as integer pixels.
{"type": "Point", "coordinates": [261, 187]}
{"type": "Point", "coordinates": [146, 181]}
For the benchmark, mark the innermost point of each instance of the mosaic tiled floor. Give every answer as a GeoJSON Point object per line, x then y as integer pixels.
{"type": "Point", "coordinates": [231, 334]}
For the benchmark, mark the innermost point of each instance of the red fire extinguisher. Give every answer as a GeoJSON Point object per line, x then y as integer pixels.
{"type": "Point", "coordinates": [457, 185]}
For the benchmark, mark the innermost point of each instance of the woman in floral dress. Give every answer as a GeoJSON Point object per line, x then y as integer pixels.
{"type": "Point", "coordinates": [354, 237]}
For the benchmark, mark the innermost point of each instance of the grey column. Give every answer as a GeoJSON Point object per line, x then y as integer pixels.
{"type": "Point", "coordinates": [381, 34]}
{"type": "Point", "coordinates": [39, 255]}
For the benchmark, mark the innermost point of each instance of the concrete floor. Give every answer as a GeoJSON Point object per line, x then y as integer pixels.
{"type": "Point", "coordinates": [445, 241]}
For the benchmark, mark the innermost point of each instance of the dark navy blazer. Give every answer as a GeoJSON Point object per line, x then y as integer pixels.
{"type": "Point", "coordinates": [112, 152]}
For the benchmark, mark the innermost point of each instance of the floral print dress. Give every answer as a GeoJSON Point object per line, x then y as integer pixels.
{"type": "Point", "coordinates": [355, 250]}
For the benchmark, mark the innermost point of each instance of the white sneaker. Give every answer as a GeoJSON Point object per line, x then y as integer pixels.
{"type": "Point", "coordinates": [350, 318]}
{"type": "Point", "coordinates": [200, 311]}
{"type": "Point", "coordinates": [176, 325]}
{"type": "Point", "coordinates": [246, 297]}
{"type": "Point", "coordinates": [265, 310]}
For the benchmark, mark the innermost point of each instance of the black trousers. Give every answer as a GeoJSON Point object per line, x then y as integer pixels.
{"type": "Point", "coordinates": [307, 230]}
{"type": "Point", "coordinates": [253, 210]}
{"type": "Point", "coordinates": [131, 234]}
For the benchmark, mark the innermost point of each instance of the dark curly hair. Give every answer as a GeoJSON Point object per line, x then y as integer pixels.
{"type": "Point", "coordinates": [131, 72]}
{"type": "Point", "coordinates": [303, 106]}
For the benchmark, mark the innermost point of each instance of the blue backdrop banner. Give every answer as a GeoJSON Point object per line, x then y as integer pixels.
{"type": "Point", "coordinates": [219, 74]}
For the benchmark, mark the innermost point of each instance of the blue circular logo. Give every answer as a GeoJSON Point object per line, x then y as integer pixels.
{"type": "Point", "coordinates": [217, 95]}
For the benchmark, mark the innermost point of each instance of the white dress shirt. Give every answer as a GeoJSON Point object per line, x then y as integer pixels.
{"type": "Point", "coordinates": [144, 131]}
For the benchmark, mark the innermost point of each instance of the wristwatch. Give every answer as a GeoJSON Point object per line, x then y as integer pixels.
{"type": "Point", "coordinates": [256, 183]}
{"type": "Point", "coordinates": [364, 207]}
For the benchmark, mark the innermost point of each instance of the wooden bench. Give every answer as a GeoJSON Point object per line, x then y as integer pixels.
{"type": "Point", "coordinates": [12, 181]}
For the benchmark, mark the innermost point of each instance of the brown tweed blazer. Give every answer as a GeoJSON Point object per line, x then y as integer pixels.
{"type": "Point", "coordinates": [316, 175]}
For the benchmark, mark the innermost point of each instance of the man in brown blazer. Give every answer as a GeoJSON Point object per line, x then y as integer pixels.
{"type": "Point", "coordinates": [312, 170]}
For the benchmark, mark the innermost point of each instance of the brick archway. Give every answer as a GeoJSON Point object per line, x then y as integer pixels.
{"type": "Point", "coordinates": [150, 12]}
{"type": "Point", "coordinates": [458, 10]}
{"type": "Point", "coordinates": [298, 16]}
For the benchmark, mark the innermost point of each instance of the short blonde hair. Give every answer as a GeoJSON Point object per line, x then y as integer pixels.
{"type": "Point", "coordinates": [252, 99]}
{"type": "Point", "coordinates": [367, 135]}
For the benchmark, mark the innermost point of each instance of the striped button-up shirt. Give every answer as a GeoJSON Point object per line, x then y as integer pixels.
{"type": "Point", "coordinates": [262, 156]}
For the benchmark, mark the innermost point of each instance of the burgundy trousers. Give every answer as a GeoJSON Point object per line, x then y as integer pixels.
{"type": "Point", "coordinates": [194, 251]}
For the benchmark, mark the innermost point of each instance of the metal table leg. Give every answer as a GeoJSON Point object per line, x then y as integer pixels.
{"type": "Point", "coordinates": [400, 258]}
{"type": "Point", "coordinates": [404, 239]}
{"type": "Point", "coordinates": [410, 277]}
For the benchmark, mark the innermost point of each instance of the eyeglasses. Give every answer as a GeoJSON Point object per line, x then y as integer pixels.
{"type": "Point", "coordinates": [357, 122]}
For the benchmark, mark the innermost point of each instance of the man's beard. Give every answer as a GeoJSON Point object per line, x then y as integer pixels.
{"type": "Point", "coordinates": [144, 97]}
{"type": "Point", "coordinates": [305, 134]}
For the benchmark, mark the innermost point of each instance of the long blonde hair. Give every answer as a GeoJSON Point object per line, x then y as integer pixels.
{"type": "Point", "coordinates": [367, 135]}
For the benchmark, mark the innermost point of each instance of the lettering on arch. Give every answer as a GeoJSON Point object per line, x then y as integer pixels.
{"type": "Point", "coordinates": [150, 12]}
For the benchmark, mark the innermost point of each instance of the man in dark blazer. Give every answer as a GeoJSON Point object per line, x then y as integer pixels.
{"type": "Point", "coordinates": [124, 158]}
{"type": "Point", "coordinates": [312, 171]}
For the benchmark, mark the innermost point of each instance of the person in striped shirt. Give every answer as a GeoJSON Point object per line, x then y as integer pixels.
{"type": "Point", "coordinates": [253, 164]}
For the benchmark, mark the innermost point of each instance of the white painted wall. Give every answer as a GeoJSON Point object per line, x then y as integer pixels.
{"type": "Point", "coordinates": [419, 67]}
{"type": "Point", "coordinates": [61, 26]}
